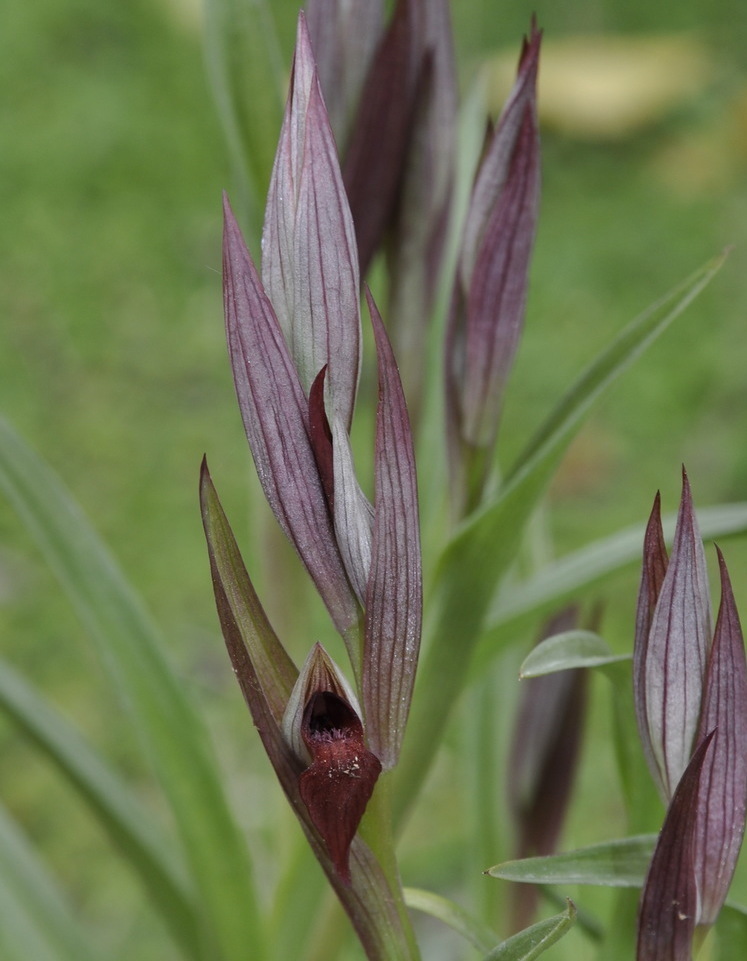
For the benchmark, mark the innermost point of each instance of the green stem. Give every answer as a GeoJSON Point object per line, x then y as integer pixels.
{"type": "Point", "coordinates": [704, 943]}
{"type": "Point", "coordinates": [376, 830]}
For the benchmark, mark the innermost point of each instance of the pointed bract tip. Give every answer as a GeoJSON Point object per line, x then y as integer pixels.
{"type": "Point", "coordinates": [204, 473]}
{"type": "Point", "coordinates": [206, 481]}
{"type": "Point", "coordinates": [654, 518]}
{"type": "Point", "coordinates": [531, 44]}
{"type": "Point", "coordinates": [721, 564]}
{"type": "Point", "coordinates": [231, 229]}
{"type": "Point", "coordinates": [303, 39]}
{"type": "Point", "coordinates": [687, 508]}
{"type": "Point", "coordinates": [685, 482]}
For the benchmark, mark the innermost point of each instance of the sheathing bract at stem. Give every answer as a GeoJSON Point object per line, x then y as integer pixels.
{"type": "Point", "coordinates": [669, 902]}
{"type": "Point", "coordinates": [275, 414]}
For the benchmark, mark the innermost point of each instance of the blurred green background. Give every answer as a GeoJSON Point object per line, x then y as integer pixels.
{"type": "Point", "coordinates": [112, 358]}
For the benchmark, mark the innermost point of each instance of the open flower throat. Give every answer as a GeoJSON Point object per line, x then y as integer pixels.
{"type": "Point", "coordinates": [336, 787]}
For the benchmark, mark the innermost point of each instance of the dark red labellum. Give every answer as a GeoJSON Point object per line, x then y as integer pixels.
{"type": "Point", "coordinates": [337, 786]}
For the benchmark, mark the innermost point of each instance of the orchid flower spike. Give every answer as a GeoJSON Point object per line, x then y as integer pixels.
{"type": "Point", "coordinates": [295, 343]}
{"type": "Point", "coordinates": [295, 352]}
{"type": "Point", "coordinates": [690, 689]}
{"type": "Point", "coordinates": [490, 289]}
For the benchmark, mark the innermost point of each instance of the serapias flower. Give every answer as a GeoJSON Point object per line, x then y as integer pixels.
{"type": "Point", "coordinates": [295, 343]}
{"type": "Point", "coordinates": [690, 690]}
{"type": "Point", "coordinates": [268, 680]}
{"type": "Point", "coordinates": [490, 288]}
{"type": "Point", "coordinates": [322, 723]}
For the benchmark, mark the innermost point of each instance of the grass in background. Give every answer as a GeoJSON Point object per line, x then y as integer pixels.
{"type": "Point", "coordinates": [112, 357]}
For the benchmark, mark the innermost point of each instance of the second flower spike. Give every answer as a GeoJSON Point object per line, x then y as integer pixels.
{"type": "Point", "coordinates": [690, 688]}
{"type": "Point", "coordinates": [489, 298]}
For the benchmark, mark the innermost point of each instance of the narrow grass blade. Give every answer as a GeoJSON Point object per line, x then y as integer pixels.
{"type": "Point", "coordinates": [164, 717]}
{"type": "Point", "coordinates": [616, 864]}
{"type": "Point", "coordinates": [566, 651]}
{"type": "Point", "coordinates": [486, 545]}
{"type": "Point", "coordinates": [534, 941]}
{"type": "Point", "coordinates": [109, 798]}
{"type": "Point", "coordinates": [626, 348]}
{"type": "Point", "coordinates": [578, 572]}
{"type": "Point", "coordinates": [248, 78]}
{"type": "Point", "coordinates": [35, 920]}
{"type": "Point", "coordinates": [452, 915]}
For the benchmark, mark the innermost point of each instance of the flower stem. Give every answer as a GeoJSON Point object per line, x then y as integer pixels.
{"type": "Point", "coordinates": [376, 830]}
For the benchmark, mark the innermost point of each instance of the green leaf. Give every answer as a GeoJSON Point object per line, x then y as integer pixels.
{"type": "Point", "coordinates": [127, 823]}
{"type": "Point", "coordinates": [616, 864]}
{"type": "Point", "coordinates": [169, 727]}
{"type": "Point", "coordinates": [731, 933]}
{"type": "Point", "coordinates": [630, 343]}
{"type": "Point", "coordinates": [35, 920]}
{"type": "Point", "coordinates": [248, 78]}
{"type": "Point", "coordinates": [485, 546]}
{"type": "Point", "coordinates": [583, 569]}
{"type": "Point", "coordinates": [534, 941]}
{"type": "Point", "coordinates": [452, 915]}
{"type": "Point", "coordinates": [563, 652]}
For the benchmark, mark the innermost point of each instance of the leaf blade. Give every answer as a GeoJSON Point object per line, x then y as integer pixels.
{"type": "Point", "coordinates": [37, 922]}
{"type": "Point", "coordinates": [583, 569]}
{"type": "Point", "coordinates": [169, 727]}
{"type": "Point", "coordinates": [620, 863]}
{"type": "Point", "coordinates": [452, 915]}
{"type": "Point", "coordinates": [567, 651]}
{"type": "Point", "coordinates": [110, 800]}
{"type": "Point", "coordinates": [535, 940]}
